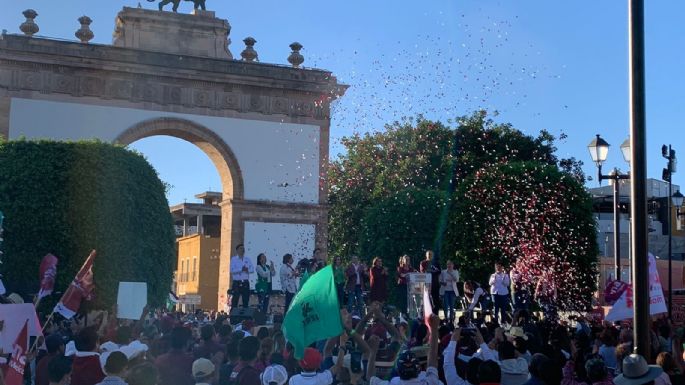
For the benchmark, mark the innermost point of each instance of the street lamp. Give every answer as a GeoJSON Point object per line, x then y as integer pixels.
{"type": "Point", "coordinates": [599, 150]}
{"type": "Point", "coordinates": [669, 154]}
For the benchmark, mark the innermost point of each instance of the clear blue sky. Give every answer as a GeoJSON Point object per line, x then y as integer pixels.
{"type": "Point", "coordinates": [560, 66]}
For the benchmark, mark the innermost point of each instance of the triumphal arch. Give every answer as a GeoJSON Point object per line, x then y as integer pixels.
{"type": "Point", "coordinates": [265, 127]}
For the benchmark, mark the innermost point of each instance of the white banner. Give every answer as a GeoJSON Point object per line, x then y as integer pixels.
{"type": "Point", "coordinates": [623, 308]}
{"type": "Point", "coordinates": [14, 316]}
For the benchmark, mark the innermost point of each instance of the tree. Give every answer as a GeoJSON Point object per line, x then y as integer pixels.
{"type": "Point", "coordinates": [418, 154]}
{"type": "Point", "coordinates": [530, 215]}
{"type": "Point", "coordinates": [68, 198]}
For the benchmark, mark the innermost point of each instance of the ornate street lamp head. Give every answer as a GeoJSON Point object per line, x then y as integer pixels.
{"type": "Point", "coordinates": [599, 149]}
{"type": "Point", "coordinates": [625, 150]}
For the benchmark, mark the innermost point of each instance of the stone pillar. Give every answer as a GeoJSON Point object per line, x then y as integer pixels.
{"type": "Point", "coordinates": [200, 225]}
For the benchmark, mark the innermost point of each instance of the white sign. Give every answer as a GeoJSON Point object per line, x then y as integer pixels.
{"type": "Point", "coordinates": [190, 299]}
{"type": "Point", "coordinates": [623, 308]}
{"type": "Point", "coordinates": [131, 300]}
{"type": "Point", "coordinates": [13, 317]}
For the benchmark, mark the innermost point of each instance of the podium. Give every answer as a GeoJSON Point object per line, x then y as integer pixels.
{"type": "Point", "coordinates": [416, 284]}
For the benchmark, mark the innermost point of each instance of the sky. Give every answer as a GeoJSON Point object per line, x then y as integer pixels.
{"type": "Point", "coordinates": [537, 64]}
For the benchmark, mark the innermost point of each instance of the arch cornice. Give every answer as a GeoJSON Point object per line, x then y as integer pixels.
{"type": "Point", "coordinates": [209, 142]}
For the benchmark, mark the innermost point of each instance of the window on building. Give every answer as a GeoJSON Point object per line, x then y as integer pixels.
{"type": "Point", "coordinates": [194, 268]}
{"type": "Point", "coordinates": [183, 267]}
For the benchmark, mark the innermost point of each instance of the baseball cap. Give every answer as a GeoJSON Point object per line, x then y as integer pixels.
{"type": "Point", "coordinates": [311, 360]}
{"type": "Point", "coordinates": [202, 367]}
{"type": "Point", "coordinates": [274, 375]}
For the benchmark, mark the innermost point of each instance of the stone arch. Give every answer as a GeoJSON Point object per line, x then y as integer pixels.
{"type": "Point", "coordinates": [210, 143]}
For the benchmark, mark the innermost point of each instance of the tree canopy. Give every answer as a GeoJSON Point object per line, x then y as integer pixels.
{"type": "Point", "coordinates": [67, 198]}
{"type": "Point", "coordinates": [398, 190]}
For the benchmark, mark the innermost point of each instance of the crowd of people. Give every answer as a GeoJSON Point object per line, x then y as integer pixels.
{"type": "Point", "coordinates": [498, 337]}
{"type": "Point", "coordinates": [377, 349]}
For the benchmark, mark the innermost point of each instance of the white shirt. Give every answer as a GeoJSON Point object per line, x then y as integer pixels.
{"type": "Point", "coordinates": [304, 378]}
{"type": "Point", "coordinates": [356, 270]}
{"type": "Point", "coordinates": [237, 264]}
{"type": "Point", "coordinates": [476, 297]}
{"type": "Point", "coordinates": [265, 272]}
{"type": "Point", "coordinates": [499, 283]}
{"type": "Point", "coordinates": [288, 280]}
{"type": "Point", "coordinates": [450, 279]}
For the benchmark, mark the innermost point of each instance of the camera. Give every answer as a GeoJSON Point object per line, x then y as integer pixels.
{"type": "Point", "coordinates": [355, 357]}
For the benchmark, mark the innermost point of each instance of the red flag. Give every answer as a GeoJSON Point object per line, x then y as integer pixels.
{"type": "Point", "coordinates": [15, 372]}
{"type": "Point", "coordinates": [81, 288]}
{"type": "Point", "coordinates": [48, 272]}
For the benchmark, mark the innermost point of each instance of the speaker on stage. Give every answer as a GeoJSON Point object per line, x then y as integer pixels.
{"type": "Point", "coordinates": [241, 314]}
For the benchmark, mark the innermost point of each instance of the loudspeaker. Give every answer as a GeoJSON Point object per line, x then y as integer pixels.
{"type": "Point", "coordinates": [241, 314]}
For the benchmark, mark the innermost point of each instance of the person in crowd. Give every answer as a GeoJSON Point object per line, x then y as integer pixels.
{"type": "Point", "coordinates": [339, 278]}
{"type": "Point", "coordinates": [607, 349]}
{"type": "Point", "coordinates": [244, 373]}
{"type": "Point", "coordinates": [521, 294]}
{"type": "Point", "coordinates": [266, 348]}
{"type": "Point", "coordinates": [265, 272]}
{"type": "Point", "coordinates": [408, 367]}
{"type": "Point", "coordinates": [86, 364]}
{"type": "Point", "coordinates": [288, 276]}
{"type": "Point", "coordinates": [490, 373]}
{"type": "Point", "coordinates": [431, 265]}
{"type": "Point", "coordinates": [475, 297]}
{"type": "Point", "coordinates": [274, 375]}
{"type": "Point", "coordinates": [310, 365]}
{"type": "Point", "coordinates": [356, 283]}
{"type": "Point", "coordinates": [241, 268]}
{"type": "Point", "coordinates": [208, 345]}
{"type": "Point", "coordinates": [668, 365]}
{"type": "Point", "coordinates": [403, 269]}
{"type": "Point", "coordinates": [55, 347]}
{"type": "Point", "coordinates": [499, 289]}
{"type": "Point", "coordinates": [448, 289]}
{"type": "Point", "coordinates": [537, 366]}
{"type": "Point", "coordinates": [143, 374]}
{"type": "Point", "coordinates": [514, 368]}
{"type": "Point", "coordinates": [546, 296]}
{"type": "Point", "coordinates": [115, 368]}
{"type": "Point", "coordinates": [203, 371]}
{"type": "Point", "coordinates": [636, 371]}
{"type": "Point", "coordinates": [175, 367]}
{"type": "Point", "coordinates": [379, 281]}
{"type": "Point", "coordinates": [59, 371]}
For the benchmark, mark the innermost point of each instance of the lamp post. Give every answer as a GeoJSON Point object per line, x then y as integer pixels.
{"type": "Point", "coordinates": [669, 154]}
{"type": "Point", "coordinates": [599, 149]}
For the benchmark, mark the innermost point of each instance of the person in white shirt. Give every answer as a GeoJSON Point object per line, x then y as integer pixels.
{"type": "Point", "coordinates": [241, 268]}
{"type": "Point", "coordinates": [475, 296]}
{"type": "Point", "coordinates": [448, 289]}
{"type": "Point", "coordinates": [499, 288]}
{"type": "Point", "coordinates": [310, 364]}
{"type": "Point", "coordinates": [288, 276]}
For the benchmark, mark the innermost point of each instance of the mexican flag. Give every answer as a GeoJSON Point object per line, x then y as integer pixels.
{"type": "Point", "coordinates": [314, 313]}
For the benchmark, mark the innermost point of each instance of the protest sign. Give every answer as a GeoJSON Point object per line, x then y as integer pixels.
{"type": "Point", "coordinates": [131, 300]}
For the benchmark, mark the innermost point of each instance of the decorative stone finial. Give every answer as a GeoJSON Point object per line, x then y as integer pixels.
{"type": "Point", "coordinates": [29, 27]}
{"type": "Point", "coordinates": [84, 33]}
{"type": "Point", "coordinates": [296, 57]}
{"type": "Point", "coordinates": [249, 54]}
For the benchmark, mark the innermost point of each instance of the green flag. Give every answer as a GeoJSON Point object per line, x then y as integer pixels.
{"type": "Point", "coordinates": [314, 313]}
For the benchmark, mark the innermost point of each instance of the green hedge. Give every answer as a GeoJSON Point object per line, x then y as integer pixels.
{"type": "Point", "coordinates": [67, 198]}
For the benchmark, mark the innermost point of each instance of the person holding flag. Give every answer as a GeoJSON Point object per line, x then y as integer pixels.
{"type": "Point", "coordinates": [81, 288]}
{"type": "Point", "coordinates": [314, 313]}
